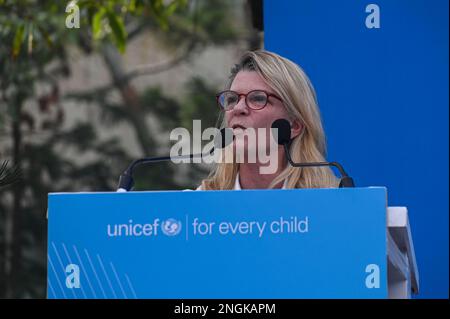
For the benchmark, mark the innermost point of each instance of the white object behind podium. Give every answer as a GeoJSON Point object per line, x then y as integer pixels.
{"type": "Point", "coordinates": [403, 275]}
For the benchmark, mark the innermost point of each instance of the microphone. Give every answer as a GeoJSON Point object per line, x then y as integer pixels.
{"type": "Point", "coordinates": [284, 138]}
{"type": "Point", "coordinates": [126, 181]}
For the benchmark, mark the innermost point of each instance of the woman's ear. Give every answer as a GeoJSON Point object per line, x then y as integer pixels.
{"type": "Point", "coordinates": [296, 128]}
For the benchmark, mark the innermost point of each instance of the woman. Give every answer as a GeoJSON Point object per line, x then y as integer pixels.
{"type": "Point", "coordinates": [265, 87]}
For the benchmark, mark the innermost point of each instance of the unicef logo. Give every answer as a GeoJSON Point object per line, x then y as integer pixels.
{"type": "Point", "coordinates": [171, 227]}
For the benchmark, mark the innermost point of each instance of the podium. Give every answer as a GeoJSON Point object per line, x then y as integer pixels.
{"type": "Point", "coordinates": [269, 244]}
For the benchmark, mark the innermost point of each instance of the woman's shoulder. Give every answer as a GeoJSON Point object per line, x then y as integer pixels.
{"type": "Point", "coordinates": [197, 189]}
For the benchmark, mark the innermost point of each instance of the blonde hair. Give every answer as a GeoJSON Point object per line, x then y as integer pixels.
{"type": "Point", "coordinates": [291, 83]}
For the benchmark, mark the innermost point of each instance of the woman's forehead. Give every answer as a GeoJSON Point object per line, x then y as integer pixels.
{"type": "Point", "coordinates": [246, 81]}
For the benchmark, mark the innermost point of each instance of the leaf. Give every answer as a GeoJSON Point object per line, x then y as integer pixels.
{"type": "Point", "coordinates": [18, 39]}
{"type": "Point", "coordinates": [132, 6]}
{"type": "Point", "coordinates": [173, 6]}
{"type": "Point", "coordinates": [30, 39]}
{"type": "Point", "coordinates": [9, 176]}
{"type": "Point", "coordinates": [157, 5]}
{"type": "Point", "coordinates": [46, 36]}
{"type": "Point", "coordinates": [118, 29]}
{"type": "Point", "coordinates": [158, 8]}
{"type": "Point", "coordinates": [97, 23]}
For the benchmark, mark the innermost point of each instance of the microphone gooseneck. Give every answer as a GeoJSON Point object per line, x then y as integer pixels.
{"type": "Point", "coordinates": [284, 138]}
{"type": "Point", "coordinates": [126, 181]}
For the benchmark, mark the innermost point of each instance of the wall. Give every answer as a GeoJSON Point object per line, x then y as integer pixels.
{"type": "Point", "coordinates": [383, 94]}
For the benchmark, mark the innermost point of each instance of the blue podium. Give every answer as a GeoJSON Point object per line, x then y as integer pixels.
{"type": "Point", "coordinates": [311, 243]}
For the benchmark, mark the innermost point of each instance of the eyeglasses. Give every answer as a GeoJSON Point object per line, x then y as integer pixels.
{"type": "Point", "coordinates": [256, 99]}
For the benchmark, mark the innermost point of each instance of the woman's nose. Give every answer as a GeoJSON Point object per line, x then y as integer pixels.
{"type": "Point", "coordinates": [241, 107]}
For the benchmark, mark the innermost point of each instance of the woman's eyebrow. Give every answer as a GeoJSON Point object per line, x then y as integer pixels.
{"type": "Point", "coordinates": [242, 92]}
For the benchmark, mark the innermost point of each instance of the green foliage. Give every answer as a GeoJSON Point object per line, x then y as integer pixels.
{"type": "Point", "coordinates": [44, 19]}
{"type": "Point", "coordinates": [8, 176]}
{"type": "Point", "coordinates": [166, 108]}
{"type": "Point", "coordinates": [18, 39]}
{"type": "Point", "coordinates": [34, 57]}
{"type": "Point", "coordinates": [97, 21]}
{"type": "Point", "coordinates": [200, 103]}
{"type": "Point", "coordinates": [118, 30]}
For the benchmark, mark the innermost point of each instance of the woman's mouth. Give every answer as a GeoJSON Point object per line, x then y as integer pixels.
{"type": "Point", "coordinates": [238, 126]}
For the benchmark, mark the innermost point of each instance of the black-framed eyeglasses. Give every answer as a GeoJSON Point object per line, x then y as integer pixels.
{"type": "Point", "coordinates": [256, 99]}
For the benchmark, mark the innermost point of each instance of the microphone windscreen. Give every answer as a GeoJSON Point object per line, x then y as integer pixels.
{"type": "Point", "coordinates": [224, 138]}
{"type": "Point", "coordinates": [284, 131]}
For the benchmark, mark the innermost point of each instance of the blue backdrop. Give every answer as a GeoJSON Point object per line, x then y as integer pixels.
{"type": "Point", "coordinates": [383, 94]}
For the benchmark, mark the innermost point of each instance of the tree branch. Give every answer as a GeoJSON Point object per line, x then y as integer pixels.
{"type": "Point", "coordinates": [8, 177]}
{"type": "Point", "coordinates": [151, 69]}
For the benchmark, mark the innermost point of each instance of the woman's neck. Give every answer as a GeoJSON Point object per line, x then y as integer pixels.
{"type": "Point", "coordinates": [250, 176]}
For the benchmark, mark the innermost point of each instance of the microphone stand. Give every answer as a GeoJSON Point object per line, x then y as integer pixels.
{"type": "Point", "coordinates": [346, 181]}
